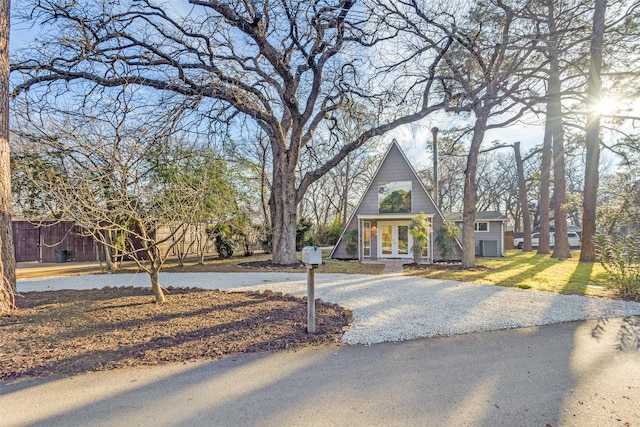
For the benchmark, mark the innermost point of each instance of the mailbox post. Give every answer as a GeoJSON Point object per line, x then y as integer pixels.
{"type": "Point", "coordinates": [312, 257]}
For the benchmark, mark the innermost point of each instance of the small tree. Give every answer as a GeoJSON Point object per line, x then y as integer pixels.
{"type": "Point", "coordinates": [120, 176]}
{"type": "Point", "coordinates": [419, 228]}
{"type": "Point", "coordinates": [445, 236]}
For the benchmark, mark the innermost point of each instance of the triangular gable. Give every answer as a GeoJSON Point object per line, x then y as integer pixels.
{"type": "Point", "coordinates": [393, 163]}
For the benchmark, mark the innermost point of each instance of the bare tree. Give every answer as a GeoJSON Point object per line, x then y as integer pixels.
{"type": "Point", "coordinates": [451, 174]}
{"type": "Point", "coordinates": [136, 188]}
{"type": "Point", "coordinates": [332, 196]}
{"type": "Point", "coordinates": [287, 65]}
{"type": "Point", "coordinates": [489, 71]}
{"type": "Point", "coordinates": [568, 30]}
{"type": "Point", "coordinates": [556, 129]}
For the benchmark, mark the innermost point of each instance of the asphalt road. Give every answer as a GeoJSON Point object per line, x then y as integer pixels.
{"type": "Point", "coordinates": [582, 373]}
{"type": "Point", "coordinates": [555, 375]}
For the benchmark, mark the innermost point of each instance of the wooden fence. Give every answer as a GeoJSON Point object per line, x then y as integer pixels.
{"type": "Point", "coordinates": [61, 241]}
{"type": "Point", "coordinates": [53, 242]}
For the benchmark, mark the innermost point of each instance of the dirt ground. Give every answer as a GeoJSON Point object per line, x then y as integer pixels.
{"type": "Point", "coordinates": [70, 332]}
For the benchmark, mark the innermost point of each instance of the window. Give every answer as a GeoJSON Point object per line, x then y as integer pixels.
{"type": "Point", "coordinates": [482, 226]}
{"type": "Point", "coordinates": [394, 197]}
{"type": "Point", "coordinates": [366, 239]}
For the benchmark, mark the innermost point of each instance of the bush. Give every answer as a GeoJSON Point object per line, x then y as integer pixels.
{"type": "Point", "coordinates": [328, 235]}
{"type": "Point", "coordinates": [302, 233]}
{"type": "Point", "coordinates": [351, 242]}
{"type": "Point", "coordinates": [445, 236]}
{"type": "Point", "coordinates": [419, 228]}
{"type": "Point", "coordinates": [223, 235]}
{"type": "Point", "coordinates": [620, 257]}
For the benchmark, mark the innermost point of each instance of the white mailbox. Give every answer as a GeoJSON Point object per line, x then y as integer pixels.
{"type": "Point", "coordinates": [311, 255]}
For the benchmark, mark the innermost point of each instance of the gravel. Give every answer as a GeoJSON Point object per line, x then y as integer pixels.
{"type": "Point", "coordinates": [388, 307]}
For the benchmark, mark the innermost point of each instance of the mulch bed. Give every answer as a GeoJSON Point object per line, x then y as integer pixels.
{"type": "Point", "coordinates": [271, 265]}
{"type": "Point", "coordinates": [73, 331]}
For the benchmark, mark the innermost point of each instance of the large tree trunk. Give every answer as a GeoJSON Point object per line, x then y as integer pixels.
{"type": "Point", "coordinates": [592, 137]}
{"type": "Point", "coordinates": [7, 254]}
{"type": "Point", "coordinates": [522, 197]}
{"type": "Point", "coordinates": [561, 249]}
{"type": "Point", "coordinates": [545, 181]}
{"type": "Point", "coordinates": [283, 202]}
{"type": "Point", "coordinates": [470, 196]}
{"type": "Point", "coordinates": [263, 149]}
{"type": "Point", "coordinates": [554, 110]}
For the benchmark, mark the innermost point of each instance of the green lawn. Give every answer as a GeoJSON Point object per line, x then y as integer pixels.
{"type": "Point", "coordinates": [529, 270]}
{"type": "Point", "coordinates": [525, 270]}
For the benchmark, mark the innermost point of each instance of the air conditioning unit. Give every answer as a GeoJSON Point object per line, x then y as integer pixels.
{"type": "Point", "coordinates": [489, 248]}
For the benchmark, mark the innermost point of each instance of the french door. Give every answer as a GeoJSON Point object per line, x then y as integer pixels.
{"type": "Point", "coordinates": [394, 240]}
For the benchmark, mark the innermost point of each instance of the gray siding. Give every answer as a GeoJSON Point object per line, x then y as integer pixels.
{"type": "Point", "coordinates": [494, 233]}
{"type": "Point", "coordinates": [395, 168]}
{"type": "Point", "coordinates": [340, 252]}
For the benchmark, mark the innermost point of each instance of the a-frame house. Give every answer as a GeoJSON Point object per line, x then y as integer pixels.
{"type": "Point", "coordinates": [379, 227]}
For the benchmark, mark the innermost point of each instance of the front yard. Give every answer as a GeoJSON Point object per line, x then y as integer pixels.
{"type": "Point", "coordinates": [526, 270]}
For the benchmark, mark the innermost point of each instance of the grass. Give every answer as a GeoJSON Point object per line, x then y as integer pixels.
{"type": "Point", "coordinates": [525, 270]}
{"type": "Point", "coordinates": [528, 270]}
{"type": "Point", "coordinates": [228, 265]}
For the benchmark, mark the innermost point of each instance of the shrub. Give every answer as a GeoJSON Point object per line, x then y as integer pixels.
{"type": "Point", "coordinates": [223, 235]}
{"type": "Point", "coordinates": [328, 235]}
{"type": "Point", "coordinates": [334, 232]}
{"type": "Point", "coordinates": [419, 228]}
{"type": "Point", "coordinates": [351, 242]}
{"type": "Point", "coordinates": [620, 257]}
{"type": "Point", "coordinates": [302, 231]}
{"type": "Point", "coordinates": [444, 238]}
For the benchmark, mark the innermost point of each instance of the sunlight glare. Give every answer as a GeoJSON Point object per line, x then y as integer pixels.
{"type": "Point", "coordinates": [606, 106]}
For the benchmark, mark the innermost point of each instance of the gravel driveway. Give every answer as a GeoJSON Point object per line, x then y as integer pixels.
{"type": "Point", "coordinates": [387, 307]}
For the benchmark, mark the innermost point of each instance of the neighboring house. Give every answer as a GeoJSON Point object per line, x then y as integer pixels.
{"type": "Point", "coordinates": [379, 227]}
{"type": "Point", "coordinates": [489, 231]}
